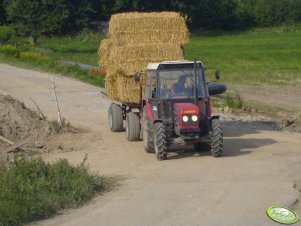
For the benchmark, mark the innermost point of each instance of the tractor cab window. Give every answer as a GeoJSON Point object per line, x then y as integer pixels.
{"type": "Point", "coordinates": [180, 84]}
{"type": "Point", "coordinates": [151, 85]}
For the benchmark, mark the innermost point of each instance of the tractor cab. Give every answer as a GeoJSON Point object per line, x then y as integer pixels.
{"type": "Point", "coordinates": [177, 95]}
{"type": "Point", "coordinates": [175, 80]}
{"type": "Point", "coordinates": [176, 100]}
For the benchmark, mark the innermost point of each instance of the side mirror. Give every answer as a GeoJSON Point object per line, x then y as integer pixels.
{"type": "Point", "coordinates": [137, 77]}
{"type": "Point", "coordinates": [217, 75]}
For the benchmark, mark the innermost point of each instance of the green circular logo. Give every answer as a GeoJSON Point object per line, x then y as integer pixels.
{"type": "Point", "coordinates": [282, 215]}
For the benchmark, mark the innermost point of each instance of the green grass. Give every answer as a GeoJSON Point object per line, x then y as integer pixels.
{"type": "Point", "coordinates": [82, 48]}
{"type": "Point", "coordinates": [33, 189]}
{"type": "Point", "coordinates": [252, 57]}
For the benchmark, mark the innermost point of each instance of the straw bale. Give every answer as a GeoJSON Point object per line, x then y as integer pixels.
{"type": "Point", "coordinates": [128, 89]}
{"type": "Point", "coordinates": [124, 89]}
{"type": "Point", "coordinates": [104, 51]}
{"type": "Point", "coordinates": [128, 60]}
{"type": "Point", "coordinates": [133, 22]}
{"type": "Point", "coordinates": [137, 39]}
{"type": "Point", "coordinates": [111, 86]}
{"type": "Point", "coordinates": [145, 36]}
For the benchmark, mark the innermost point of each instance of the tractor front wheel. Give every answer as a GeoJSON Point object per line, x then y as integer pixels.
{"type": "Point", "coordinates": [216, 138]}
{"type": "Point", "coordinates": [132, 127]}
{"type": "Point", "coordinates": [160, 141]}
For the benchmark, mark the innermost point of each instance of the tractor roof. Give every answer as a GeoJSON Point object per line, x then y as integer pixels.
{"type": "Point", "coordinates": [174, 64]}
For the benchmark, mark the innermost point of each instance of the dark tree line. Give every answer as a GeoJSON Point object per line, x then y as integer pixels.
{"type": "Point", "coordinates": [36, 17]}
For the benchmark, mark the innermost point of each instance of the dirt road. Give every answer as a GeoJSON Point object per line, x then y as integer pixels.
{"type": "Point", "coordinates": [259, 167]}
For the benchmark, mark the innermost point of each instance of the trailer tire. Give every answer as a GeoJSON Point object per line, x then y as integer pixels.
{"type": "Point", "coordinates": [132, 127]}
{"type": "Point", "coordinates": [160, 141]}
{"type": "Point", "coordinates": [216, 138]}
{"type": "Point", "coordinates": [115, 118]}
{"type": "Point", "coordinates": [147, 127]}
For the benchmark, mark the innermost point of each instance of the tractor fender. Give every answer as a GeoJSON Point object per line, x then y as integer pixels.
{"type": "Point", "coordinates": [215, 117]}
{"type": "Point", "coordinates": [157, 120]}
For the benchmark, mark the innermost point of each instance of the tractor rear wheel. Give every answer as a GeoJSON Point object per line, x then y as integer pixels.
{"type": "Point", "coordinates": [216, 138]}
{"type": "Point", "coordinates": [160, 141]}
{"type": "Point", "coordinates": [132, 127]}
{"type": "Point", "coordinates": [147, 132]}
{"type": "Point", "coordinates": [115, 118]}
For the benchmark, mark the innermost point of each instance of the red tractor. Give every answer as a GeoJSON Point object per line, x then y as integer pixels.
{"type": "Point", "coordinates": [175, 109]}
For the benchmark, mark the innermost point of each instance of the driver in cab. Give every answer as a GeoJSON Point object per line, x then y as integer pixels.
{"type": "Point", "coordinates": [179, 87]}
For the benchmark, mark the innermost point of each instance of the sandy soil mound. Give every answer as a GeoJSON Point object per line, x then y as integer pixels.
{"type": "Point", "coordinates": [18, 123]}
{"type": "Point", "coordinates": [293, 124]}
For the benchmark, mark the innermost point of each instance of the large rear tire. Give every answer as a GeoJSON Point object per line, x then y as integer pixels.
{"type": "Point", "coordinates": [148, 134]}
{"type": "Point", "coordinates": [216, 138]}
{"type": "Point", "coordinates": [160, 141]}
{"type": "Point", "coordinates": [115, 118]}
{"type": "Point", "coordinates": [132, 127]}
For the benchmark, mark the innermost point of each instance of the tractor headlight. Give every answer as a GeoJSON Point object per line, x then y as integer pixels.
{"type": "Point", "coordinates": [194, 118]}
{"type": "Point", "coordinates": [185, 118]}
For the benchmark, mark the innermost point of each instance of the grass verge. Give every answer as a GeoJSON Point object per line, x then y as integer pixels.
{"type": "Point", "coordinates": [231, 100]}
{"type": "Point", "coordinates": [74, 71]}
{"type": "Point", "coordinates": [33, 189]}
{"type": "Point", "coordinates": [252, 57]}
{"type": "Point", "coordinates": [82, 48]}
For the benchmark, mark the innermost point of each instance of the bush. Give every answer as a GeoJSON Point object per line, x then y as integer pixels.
{"type": "Point", "coordinates": [33, 189]}
{"type": "Point", "coordinates": [10, 50]}
{"type": "Point", "coordinates": [7, 34]}
{"type": "Point", "coordinates": [33, 56]}
{"type": "Point", "coordinates": [234, 101]}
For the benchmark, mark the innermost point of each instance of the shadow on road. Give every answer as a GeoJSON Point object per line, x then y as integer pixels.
{"type": "Point", "coordinates": [234, 143]}
{"type": "Point", "coordinates": [241, 146]}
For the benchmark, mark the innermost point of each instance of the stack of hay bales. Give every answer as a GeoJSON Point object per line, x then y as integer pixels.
{"type": "Point", "coordinates": [135, 40]}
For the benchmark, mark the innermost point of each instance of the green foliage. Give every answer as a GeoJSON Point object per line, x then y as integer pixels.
{"type": "Point", "coordinates": [7, 34]}
{"type": "Point", "coordinates": [33, 56]}
{"type": "Point", "coordinates": [234, 101]}
{"type": "Point", "coordinates": [59, 17]}
{"type": "Point", "coordinates": [33, 189]}
{"type": "Point", "coordinates": [231, 100]}
{"type": "Point", "coordinates": [9, 50]}
{"type": "Point", "coordinates": [78, 15]}
{"type": "Point", "coordinates": [276, 12]}
{"type": "Point", "coordinates": [34, 18]}
{"type": "Point", "coordinates": [2, 12]}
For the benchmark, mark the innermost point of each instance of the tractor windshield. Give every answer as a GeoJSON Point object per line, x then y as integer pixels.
{"type": "Point", "coordinates": [174, 84]}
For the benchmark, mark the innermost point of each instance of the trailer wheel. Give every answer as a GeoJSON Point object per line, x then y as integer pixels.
{"type": "Point", "coordinates": [132, 127]}
{"type": "Point", "coordinates": [147, 131]}
{"type": "Point", "coordinates": [115, 118]}
{"type": "Point", "coordinates": [216, 138]}
{"type": "Point", "coordinates": [160, 141]}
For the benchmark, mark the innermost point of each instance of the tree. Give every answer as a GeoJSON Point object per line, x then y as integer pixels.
{"type": "Point", "coordinates": [78, 17]}
{"type": "Point", "coordinates": [2, 12]}
{"type": "Point", "coordinates": [142, 5]}
{"type": "Point", "coordinates": [103, 9]}
{"type": "Point", "coordinates": [36, 17]}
